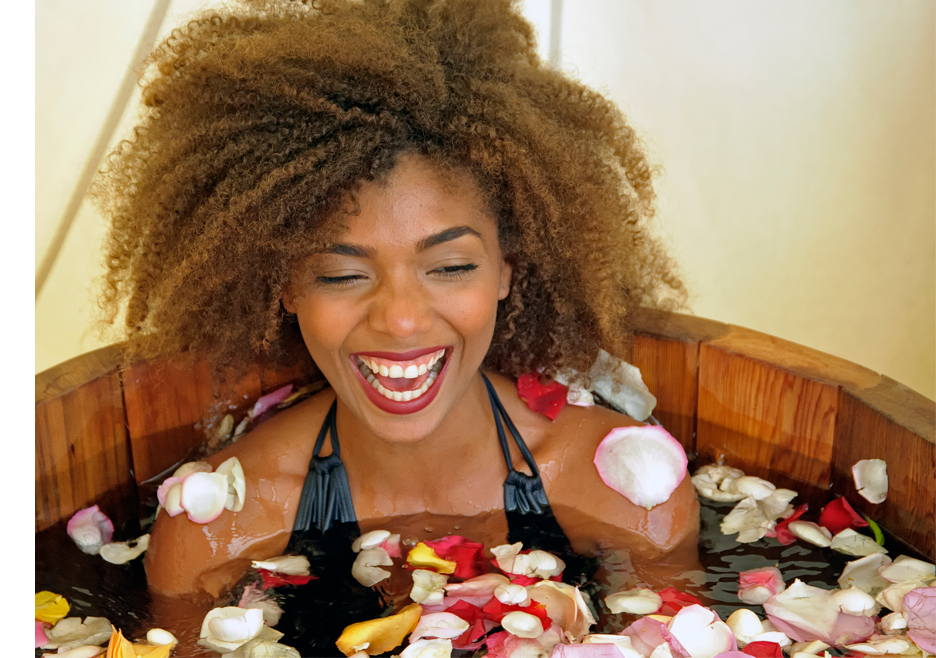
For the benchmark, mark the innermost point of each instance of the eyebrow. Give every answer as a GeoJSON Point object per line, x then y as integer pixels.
{"type": "Point", "coordinates": [449, 234]}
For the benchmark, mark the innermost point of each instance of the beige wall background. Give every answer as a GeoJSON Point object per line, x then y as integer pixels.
{"type": "Point", "coordinates": [797, 142]}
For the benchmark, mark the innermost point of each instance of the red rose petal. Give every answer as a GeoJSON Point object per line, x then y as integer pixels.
{"type": "Point", "coordinates": [838, 515]}
{"type": "Point", "coordinates": [548, 399]}
{"type": "Point", "coordinates": [784, 536]}
{"type": "Point", "coordinates": [271, 579]}
{"type": "Point", "coordinates": [762, 649]}
{"type": "Point", "coordinates": [467, 555]}
{"type": "Point", "coordinates": [674, 601]}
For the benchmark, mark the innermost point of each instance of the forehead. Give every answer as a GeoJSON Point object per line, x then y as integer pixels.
{"type": "Point", "coordinates": [418, 198]}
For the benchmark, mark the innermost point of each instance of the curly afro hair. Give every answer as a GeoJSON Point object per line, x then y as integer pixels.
{"type": "Point", "coordinates": [258, 119]}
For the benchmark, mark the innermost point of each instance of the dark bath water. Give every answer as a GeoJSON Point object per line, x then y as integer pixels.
{"type": "Point", "coordinates": [97, 588]}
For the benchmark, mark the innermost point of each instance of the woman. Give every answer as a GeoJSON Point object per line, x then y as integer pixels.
{"type": "Point", "coordinates": [407, 190]}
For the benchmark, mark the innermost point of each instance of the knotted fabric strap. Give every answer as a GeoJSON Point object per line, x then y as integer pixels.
{"type": "Point", "coordinates": [522, 493]}
{"type": "Point", "coordinates": [326, 495]}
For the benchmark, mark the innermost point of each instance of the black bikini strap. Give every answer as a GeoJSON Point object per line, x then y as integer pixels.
{"type": "Point", "coordinates": [522, 493]}
{"type": "Point", "coordinates": [326, 495]}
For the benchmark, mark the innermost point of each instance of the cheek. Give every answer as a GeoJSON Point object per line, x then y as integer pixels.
{"type": "Point", "coordinates": [473, 315]}
{"type": "Point", "coordinates": [323, 327]}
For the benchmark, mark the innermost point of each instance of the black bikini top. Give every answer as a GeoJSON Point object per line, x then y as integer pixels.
{"type": "Point", "coordinates": [326, 496]}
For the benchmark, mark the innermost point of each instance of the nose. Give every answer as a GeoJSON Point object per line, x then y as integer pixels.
{"type": "Point", "coordinates": [401, 309]}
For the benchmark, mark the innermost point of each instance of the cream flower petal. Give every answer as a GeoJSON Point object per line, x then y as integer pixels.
{"type": "Point", "coordinates": [511, 594]}
{"type": "Point", "coordinates": [745, 625]}
{"type": "Point", "coordinates": [258, 648]}
{"type": "Point", "coordinates": [225, 629]}
{"type": "Point", "coordinates": [371, 539]}
{"type": "Point", "coordinates": [853, 601]}
{"type": "Point", "coordinates": [700, 632]}
{"type": "Point", "coordinates": [428, 649]}
{"type": "Point", "coordinates": [522, 624]}
{"type": "Point", "coordinates": [84, 651]}
{"type": "Point", "coordinates": [191, 467]}
{"type": "Point", "coordinates": [637, 601]}
{"type": "Point", "coordinates": [907, 568]}
{"type": "Point", "coordinates": [72, 632]}
{"type": "Point", "coordinates": [428, 587]}
{"type": "Point", "coordinates": [291, 565]}
{"type": "Point", "coordinates": [90, 529]}
{"type": "Point", "coordinates": [643, 464]}
{"type": "Point", "coordinates": [237, 486]}
{"type": "Point", "coordinates": [863, 573]}
{"type": "Point", "coordinates": [438, 625]}
{"type": "Point", "coordinates": [122, 552]}
{"type": "Point", "coordinates": [871, 479]}
{"type": "Point", "coordinates": [853, 543]}
{"type": "Point", "coordinates": [159, 637]}
{"type": "Point", "coordinates": [366, 568]}
{"type": "Point", "coordinates": [622, 642]}
{"type": "Point", "coordinates": [204, 496]}
{"type": "Point", "coordinates": [811, 532]}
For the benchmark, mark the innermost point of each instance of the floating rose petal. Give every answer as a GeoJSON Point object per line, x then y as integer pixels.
{"type": "Point", "coordinates": [838, 515]}
{"type": "Point", "coordinates": [379, 635]}
{"type": "Point", "coordinates": [637, 601]}
{"type": "Point", "coordinates": [422, 556]}
{"type": "Point", "coordinates": [225, 629]}
{"type": "Point", "coordinates": [920, 608]}
{"type": "Point", "coordinates": [90, 529]}
{"type": "Point", "coordinates": [810, 532]}
{"type": "Point", "coordinates": [269, 579]}
{"type": "Point", "coordinates": [86, 651]}
{"type": "Point", "coordinates": [289, 565]}
{"type": "Point", "coordinates": [714, 482]}
{"type": "Point", "coordinates": [439, 625]}
{"type": "Point", "coordinates": [260, 648]}
{"type": "Point", "coordinates": [643, 464]}
{"type": "Point", "coordinates": [204, 496]}
{"type": "Point", "coordinates": [428, 649]}
{"type": "Point", "coordinates": [371, 539]}
{"type": "Point", "coordinates": [863, 573]}
{"type": "Point", "coordinates": [522, 624]}
{"type": "Point", "coordinates": [428, 587]}
{"type": "Point", "coordinates": [565, 606]}
{"type": "Point", "coordinates": [760, 649]}
{"type": "Point", "coordinates": [256, 598]}
{"type": "Point", "coordinates": [619, 383]}
{"type": "Point", "coordinates": [871, 479]}
{"type": "Point", "coordinates": [853, 601]}
{"type": "Point", "coordinates": [755, 586]}
{"type": "Point", "coordinates": [270, 400]}
{"type": "Point", "coordinates": [746, 626]}
{"type": "Point", "coordinates": [237, 487]}
{"type": "Point", "coordinates": [852, 543]}
{"type": "Point", "coordinates": [480, 586]}
{"type": "Point", "coordinates": [784, 536]}
{"type": "Point", "coordinates": [41, 637]}
{"type": "Point", "coordinates": [495, 611]}
{"type": "Point", "coordinates": [701, 633]}
{"type": "Point", "coordinates": [188, 468]}
{"type": "Point", "coordinates": [547, 399]}
{"type": "Point", "coordinates": [646, 634]}
{"type": "Point", "coordinates": [893, 623]}
{"type": "Point", "coordinates": [621, 642]}
{"type": "Point", "coordinates": [880, 646]}
{"type": "Point", "coordinates": [71, 633]}
{"type": "Point", "coordinates": [907, 568]}
{"type": "Point", "coordinates": [120, 647]}
{"type": "Point", "coordinates": [674, 601]}
{"type": "Point", "coordinates": [807, 613]}
{"type": "Point", "coordinates": [750, 520]}
{"type": "Point", "coordinates": [159, 637]}
{"type": "Point", "coordinates": [366, 568]}
{"type": "Point", "coordinates": [51, 607]}
{"type": "Point", "coordinates": [122, 552]}
{"type": "Point", "coordinates": [892, 597]}
{"type": "Point", "coordinates": [467, 555]}
{"type": "Point", "coordinates": [511, 594]}
{"type": "Point", "coordinates": [592, 650]}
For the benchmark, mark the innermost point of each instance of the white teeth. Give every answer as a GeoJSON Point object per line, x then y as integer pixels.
{"type": "Point", "coordinates": [398, 396]}
{"type": "Point", "coordinates": [423, 369]}
{"type": "Point", "coordinates": [407, 396]}
{"type": "Point", "coordinates": [411, 372]}
{"type": "Point", "coordinates": [395, 372]}
{"type": "Point", "coordinates": [384, 371]}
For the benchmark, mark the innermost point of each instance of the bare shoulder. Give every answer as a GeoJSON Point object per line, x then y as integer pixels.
{"type": "Point", "coordinates": [579, 489]}
{"type": "Point", "coordinates": [275, 458]}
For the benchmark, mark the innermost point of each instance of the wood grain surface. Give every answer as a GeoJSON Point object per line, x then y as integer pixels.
{"type": "Point", "coordinates": [82, 452]}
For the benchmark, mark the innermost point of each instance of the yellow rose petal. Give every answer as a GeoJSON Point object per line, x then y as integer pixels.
{"type": "Point", "coordinates": [380, 635]}
{"type": "Point", "coordinates": [422, 556]}
{"type": "Point", "coordinates": [119, 646]}
{"type": "Point", "coordinates": [51, 607]}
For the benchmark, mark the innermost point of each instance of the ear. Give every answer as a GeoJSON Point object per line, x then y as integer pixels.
{"type": "Point", "coordinates": [505, 279]}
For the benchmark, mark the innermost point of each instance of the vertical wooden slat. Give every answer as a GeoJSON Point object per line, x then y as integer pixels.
{"type": "Point", "coordinates": [166, 399]}
{"type": "Point", "coordinates": [83, 453]}
{"type": "Point", "coordinates": [666, 350]}
{"type": "Point", "coordinates": [896, 424]}
{"type": "Point", "coordinates": [768, 407]}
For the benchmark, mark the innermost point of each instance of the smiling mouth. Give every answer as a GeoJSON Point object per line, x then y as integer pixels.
{"type": "Point", "coordinates": [402, 381]}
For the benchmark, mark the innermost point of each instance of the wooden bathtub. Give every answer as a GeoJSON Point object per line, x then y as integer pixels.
{"type": "Point", "coordinates": [795, 416]}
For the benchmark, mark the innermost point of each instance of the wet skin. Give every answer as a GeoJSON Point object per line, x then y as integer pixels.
{"type": "Point", "coordinates": [420, 267]}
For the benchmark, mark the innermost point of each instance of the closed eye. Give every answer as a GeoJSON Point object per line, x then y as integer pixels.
{"type": "Point", "coordinates": [455, 271]}
{"type": "Point", "coordinates": [338, 281]}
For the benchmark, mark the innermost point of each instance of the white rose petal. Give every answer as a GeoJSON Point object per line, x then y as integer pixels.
{"type": "Point", "coordinates": [907, 568]}
{"type": "Point", "coordinates": [159, 637]}
{"type": "Point", "coordinates": [371, 539]}
{"type": "Point", "coordinates": [811, 532]}
{"type": "Point", "coordinates": [522, 624]}
{"type": "Point", "coordinates": [291, 565]}
{"type": "Point", "coordinates": [71, 633]}
{"type": "Point", "coordinates": [428, 649]}
{"type": "Point", "coordinates": [428, 586]}
{"type": "Point", "coordinates": [122, 552]}
{"type": "Point", "coordinates": [853, 601]}
{"type": "Point", "coordinates": [511, 594]}
{"type": "Point", "coordinates": [871, 480]}
{"type": "Point", "coordinates": [366, 568]}
{"type": "Point", "coordinates": [637, 601]}
{"type": "Point", "coordinates": [863, 573]}
{"type": "Point", "coordinates": [745, 625]}
{"type": "Point", "coordinates": [237, 487]}
{"type": "Point", "coordinates": [225, 629]}
{"type": "Point", "coordinates": [853, 543]}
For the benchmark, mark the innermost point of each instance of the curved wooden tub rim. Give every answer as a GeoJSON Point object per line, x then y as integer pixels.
{"type": "Point", "coordinates": [769, 406]}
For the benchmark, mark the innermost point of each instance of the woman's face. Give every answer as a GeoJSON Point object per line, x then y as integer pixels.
{"type": "Point", "coordinates": [398, 312]}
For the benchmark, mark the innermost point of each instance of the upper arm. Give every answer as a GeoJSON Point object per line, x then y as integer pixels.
{"type": "Point", "coordinates": [589, 507]}
{"type": "Point", "coordinates": [185, 557]}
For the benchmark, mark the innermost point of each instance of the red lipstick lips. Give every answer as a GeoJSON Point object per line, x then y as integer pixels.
{"type": "Point", "coordinates": [401, 407]}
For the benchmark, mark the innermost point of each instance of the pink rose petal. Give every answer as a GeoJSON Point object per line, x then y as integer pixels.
{"type": "Point", "coordinates": [41, 637]}
{"type": "Point", "coordinates": [590, 650]}
{"type": "Point", "coordinates": [171, 499]}
{"type": "Point", "coordinates": [392, 545]}
{"type": "Point", "coordinates": [920, 608]}
{"type": "Point", "coordinates": [646, 634]}
{"type": "Point", "coordinates": [270, 400]}
{"type": "Point", "coordinates": [700, 632]}
{"type": "Point", "coordinates": [755, 586]}
{"type": "Point", "coordinates": [90, 529]}
{"type": "Point", "coordinates": [643, 464]}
